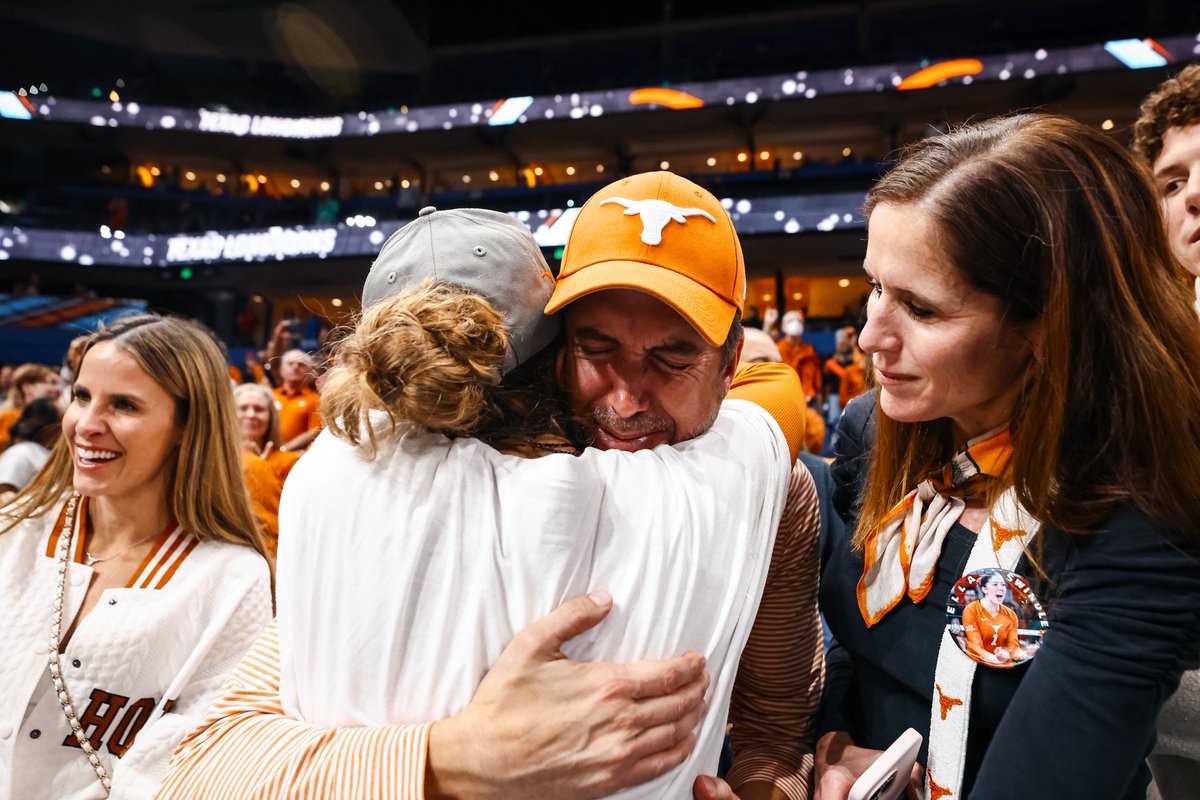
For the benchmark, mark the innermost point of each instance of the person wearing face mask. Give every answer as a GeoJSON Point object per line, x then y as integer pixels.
{"type": "Point", "coordinates": [799, 354]}
{"type": "Point", "coordinates": [802, 357]}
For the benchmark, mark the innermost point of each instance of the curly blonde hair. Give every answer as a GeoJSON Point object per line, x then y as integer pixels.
{"type": "Point", "coordinates": [432, 356]}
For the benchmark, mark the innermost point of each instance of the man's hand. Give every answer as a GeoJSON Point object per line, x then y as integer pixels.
{"type": "Point", "coordinates": [839, 763]}
{"type": "Point", "coordinates": [542, 725]}
{"type": "Point", "coordinates": [707, 787]}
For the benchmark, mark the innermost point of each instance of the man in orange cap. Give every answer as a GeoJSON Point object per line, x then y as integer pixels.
{"type": "Point", "coordinates": [652, 286]}
{"type": "Point", "coordinates": [650, 353]}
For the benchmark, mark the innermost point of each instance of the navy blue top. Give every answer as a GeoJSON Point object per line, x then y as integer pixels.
{"type": "Point", "coordinates": [1123, 604]}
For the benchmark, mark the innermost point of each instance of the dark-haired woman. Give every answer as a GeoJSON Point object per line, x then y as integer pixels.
{"type": "Point", "coordinates": [1034, 345]}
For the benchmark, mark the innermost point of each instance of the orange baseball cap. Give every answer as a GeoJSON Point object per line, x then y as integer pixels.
{"type": "Point", "coordinates": [663, 235]}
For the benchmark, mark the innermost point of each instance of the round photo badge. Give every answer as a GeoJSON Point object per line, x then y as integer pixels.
{"type": "Point", "coordinates": [995, 618]}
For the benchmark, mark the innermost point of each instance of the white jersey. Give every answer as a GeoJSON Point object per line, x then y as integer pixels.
{"type": "Point", "coordinates": [141, 668]}
{"type": "Point", "coordinates": [402, 579]}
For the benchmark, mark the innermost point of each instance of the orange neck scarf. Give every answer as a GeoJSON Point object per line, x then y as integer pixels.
{"type": "Point", "coordinates": [902, 552]}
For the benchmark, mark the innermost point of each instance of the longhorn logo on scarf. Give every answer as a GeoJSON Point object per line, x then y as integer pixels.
{"type": "Point", "coordinates": [902, 552]}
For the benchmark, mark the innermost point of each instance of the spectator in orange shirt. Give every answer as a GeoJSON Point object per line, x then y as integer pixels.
{"type": "Point", "coordinates": [845, 374]}
{"type": "Point", "coordinates": [264, 465]}
{"type": "Point", "coordinates": [264, 488]}
{"type": "Point", "coordinates": [259, 420]}
{"type": "Point", "coordinates": [758, 347]}
{"type": "Point", "coordinates": [298, 403]}
{"type": "Point", "coordinates": [799, 354]}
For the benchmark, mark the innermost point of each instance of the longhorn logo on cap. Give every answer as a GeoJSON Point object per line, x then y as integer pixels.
{"type": "Point", "coordinates": [656, 214]}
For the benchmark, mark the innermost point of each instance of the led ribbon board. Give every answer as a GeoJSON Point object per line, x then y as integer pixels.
{"type": "Point", "coordinates": [801, 85]}
{"type": "Point", "coordinates": [550, 227]}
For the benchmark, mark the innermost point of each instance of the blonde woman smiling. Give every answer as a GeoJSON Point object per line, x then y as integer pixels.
{"type": "Point", "coordinates": [131, 572]}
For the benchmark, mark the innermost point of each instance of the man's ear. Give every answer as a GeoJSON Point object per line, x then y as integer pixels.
{"type": "Point", "coordinates": [731, 368]}
{"type": "Point", "coordinates": [560, 362]}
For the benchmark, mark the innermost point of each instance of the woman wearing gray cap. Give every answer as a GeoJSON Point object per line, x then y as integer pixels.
{"type": "Point", "coordinates": [417, 542]}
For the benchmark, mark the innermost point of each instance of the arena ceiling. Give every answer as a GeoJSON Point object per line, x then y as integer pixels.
{"type": "Point", "coordinates": [333, 56]}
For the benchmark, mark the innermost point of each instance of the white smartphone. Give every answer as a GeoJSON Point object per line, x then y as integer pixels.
{"type": "Point", "coordinates": [887, 777]}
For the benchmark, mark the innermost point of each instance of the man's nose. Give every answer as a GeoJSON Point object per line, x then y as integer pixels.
{"type": "Point", "coordinates": [627, 395]}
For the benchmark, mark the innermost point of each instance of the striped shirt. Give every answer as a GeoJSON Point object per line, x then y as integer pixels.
{"type": "Point", "coordinates": [782, 670]}
{"type": "Point", "coordinates": [248, 746]}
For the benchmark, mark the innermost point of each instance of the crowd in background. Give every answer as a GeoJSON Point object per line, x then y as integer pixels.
{"type": "Point", "coordinates": [277, 414]}
{"type": "Point", "coordinates": [172, 205]}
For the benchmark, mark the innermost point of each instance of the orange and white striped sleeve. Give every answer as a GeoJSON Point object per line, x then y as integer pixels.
{"type": "Point", "coordinates": [246, 748]}
{"type": "Point", "coordinates": [779, 680]}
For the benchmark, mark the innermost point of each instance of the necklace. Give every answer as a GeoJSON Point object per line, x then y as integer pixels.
{"type": "Point", "coordinates": [91, 560]}
{"type": "Point", "coordinates": [54, 665]}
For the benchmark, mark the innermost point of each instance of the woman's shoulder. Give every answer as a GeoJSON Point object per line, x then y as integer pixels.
{"type": "Point", "coordinates": [858, 417]}
{"type": "Point", "coordinates": [231, 558]}
{"type": "Point", "coordinates": [36, 525]}
{"type": "Point", "coordinates": [1129, 526]}
{"type": "Point", "coordinates": [1129, 546]}
{"type": "Point", "coordinates": [20, 534]}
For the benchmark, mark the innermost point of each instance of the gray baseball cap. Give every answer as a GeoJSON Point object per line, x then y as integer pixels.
{"type": "Point", "coordinates": [485, 252]}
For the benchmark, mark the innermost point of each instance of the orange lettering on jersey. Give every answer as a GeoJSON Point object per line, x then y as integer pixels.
{"type": "Point", "coordinates": [97, 715]}
{"type": "Point", "coordinates": [947, 703]}
{"type": "Point", "coordinates": [1002, 535]}
{"type": "Point", "coordinates": [937, 792]}
{"type": "Point", "coordinates": [131, 722]}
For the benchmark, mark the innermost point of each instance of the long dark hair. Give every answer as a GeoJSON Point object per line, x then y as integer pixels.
{"type": "Point", "coordinates": [1062, 224]}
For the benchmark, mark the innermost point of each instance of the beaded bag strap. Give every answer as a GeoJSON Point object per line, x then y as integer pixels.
{"type": "Point", "coordinates": [55, 641]}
